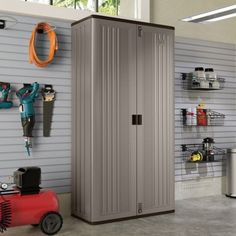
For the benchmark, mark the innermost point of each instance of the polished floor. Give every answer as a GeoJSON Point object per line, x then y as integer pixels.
{"type": "Point", "coordinates": [209, 216]}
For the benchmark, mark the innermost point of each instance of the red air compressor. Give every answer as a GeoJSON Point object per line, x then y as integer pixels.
{"type": "Point", "coordinates": [27, 204]}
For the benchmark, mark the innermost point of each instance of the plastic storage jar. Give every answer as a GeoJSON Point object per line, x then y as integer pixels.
{"type": "Point", "coordinates": [210, 74]}
{"type": "Point", "coordinates": [199, 73]}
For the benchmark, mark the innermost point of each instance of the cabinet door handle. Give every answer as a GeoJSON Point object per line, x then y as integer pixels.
{"type": "Point", "coordinates": [137, 119]}
{"type": "Point", "coordinates": [140, 119]}
{"type": "Point", "coordinates": [134, 120]}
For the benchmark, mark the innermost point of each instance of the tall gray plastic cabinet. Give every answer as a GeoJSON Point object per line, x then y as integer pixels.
{"type": "Point", "coordinates": [123, 119]}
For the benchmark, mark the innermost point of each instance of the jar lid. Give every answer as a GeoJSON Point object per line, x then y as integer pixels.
{"type": "Point", "coordinates": [199, 69]}
{"type": "Point", "coordinates": [209, 70]}
{"type": "Point", "coordinates": [208, 140]}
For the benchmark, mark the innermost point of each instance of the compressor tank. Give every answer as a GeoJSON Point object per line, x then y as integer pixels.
{"type": "Point", "coordinates": [29, 209]}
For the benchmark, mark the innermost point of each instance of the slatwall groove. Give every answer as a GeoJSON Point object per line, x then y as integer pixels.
{"type": "Point", "coordinates": [32, 21]}
{"type": "Point", "coordinates": [190, 53]}
{"type": "Point", "coordinates": [208, 49]}
{"type": "Point", "coordinates": [24, 51]}
{"type": "Point", "coordinates": [47, 170]}
{"type": "Point", "coordinates": [207, 59]}
{"type": "Point", "coordinates": [25, 40]}
{"type": "Point", "coordinates": [26, 34]}
{"type": "Point", "coordinates": [16, 57]}
{"type": "Point", "coordinates": [23, 56]}
{"type": "Point", "coordinates": [27, 66]}
{"type": "Point", "coordinates": [27, 72]}
{"type": "Point", "coordinates": [42, 80]}
{"type": "Point", "coordinates": [41, 45]}
{"type": "Point", "coordinates": [228, 58]}
{"type": "Point", "coordinates": [203, 43]}
{"type": "Point", "coordinates": [228, 65]}
{"type": "Point", "coordinates": [13, 152]}
{"type": "Point", "coordinates": [52, 154]}
{"type": "Point", "coordinates": [18, 28]}
{"type": "Point", "coordinates": [47, 154]}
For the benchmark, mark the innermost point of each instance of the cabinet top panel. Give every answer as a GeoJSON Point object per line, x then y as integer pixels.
{"type": "Point", "coordinates": [122, 20]}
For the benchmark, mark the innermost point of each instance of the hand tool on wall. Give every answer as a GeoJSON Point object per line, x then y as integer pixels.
{"type": "Point", "coordinates": [43, 27]}
{"type": "Point", "coordinates": [27, 96]}
{"type": "Point", "coordinates": [48, 95]}
{"type": "Point", "coordinates": [5, 89]}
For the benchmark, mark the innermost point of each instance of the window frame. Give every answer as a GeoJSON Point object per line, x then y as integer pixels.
{"type": "Point", "coordinates": [96, 5]}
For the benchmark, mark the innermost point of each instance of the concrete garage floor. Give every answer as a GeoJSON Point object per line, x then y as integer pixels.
{"type": "Point", "coordinates": [209, 216]}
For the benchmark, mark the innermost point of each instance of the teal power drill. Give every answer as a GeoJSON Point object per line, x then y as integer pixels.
{"type": "Point", "coordinates": [5, 89]}
{"type": "Point", "coordinates": [27, 96]}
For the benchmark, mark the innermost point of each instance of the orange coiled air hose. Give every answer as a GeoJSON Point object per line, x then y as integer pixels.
{"type": "Point", "coordinates": [33, 57]}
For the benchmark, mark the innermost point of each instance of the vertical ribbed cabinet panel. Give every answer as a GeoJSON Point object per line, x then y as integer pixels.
{"type": "Point", "coordinates": [155, 154]}
{"type": "Point", "coordinates": [114, 137]}
{"type": "Point", "coordinates": [82, 103]}
{"type": "Point", "coordinates": [119, 165]}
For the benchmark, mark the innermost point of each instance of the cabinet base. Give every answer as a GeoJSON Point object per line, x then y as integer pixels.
{"type": "Point", "coordinates": [123, 219]}
{"type": "Point", "coordinates": [231, 196]}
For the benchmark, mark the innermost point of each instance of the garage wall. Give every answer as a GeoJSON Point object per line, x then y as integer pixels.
{"type": "Point", "coordinates": [169, 12]}
{"type": "Point", "coordinates": [190, 53]}
{"type": "Point", "coordinates": [52, 154]}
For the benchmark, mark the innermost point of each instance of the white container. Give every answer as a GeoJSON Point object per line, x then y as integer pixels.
{"type": "Point", "coordinates": [204, 84]}
{"type": "Point", "coordinates": [194, 116]}
{"type": "Point", "coordinates": [199, 73]}
{"type": "Point", "coordinates": [189, 116]}
{"type": "Point", "coordinates": [210, 74]}
{"type": "Point", "coordinates": [208, 112]}
{"type": "Point", "coordinates": [231, 173]}
{"type": "Point", "coordinates": [216, 85]}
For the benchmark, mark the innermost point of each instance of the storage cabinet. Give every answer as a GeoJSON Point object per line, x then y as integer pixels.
{"type": "Point", "coordinates": [155, 154]}
{"type": "Point", "coordinates": [122, 119]}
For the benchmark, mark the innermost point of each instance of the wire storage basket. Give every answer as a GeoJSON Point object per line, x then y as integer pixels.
{"type": "Point", "coordinates": [191, 151]}
{"type": "Point", "coordinates": [201, 117]}
{"type": "Point", "coordinates": [191, 82]}
{"type": "Point", "coordinates": [215, 118]}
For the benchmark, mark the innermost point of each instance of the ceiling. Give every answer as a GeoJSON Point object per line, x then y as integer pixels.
{"type": "Point", "coordinates": [170, 12]}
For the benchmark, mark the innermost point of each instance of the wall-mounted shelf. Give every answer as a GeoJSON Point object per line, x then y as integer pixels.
{"type": "Point", "coordinates": [191, 82]}
{"type": "Point", "coordinates": [189, 149]}
{"type": "Point", "coordinates": [212, 118]}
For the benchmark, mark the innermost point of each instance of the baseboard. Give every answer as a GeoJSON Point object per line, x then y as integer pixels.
{"type": "Point", "coordinates": [65, 204]}
{"type": "Point", "coordinates": [125, 218]}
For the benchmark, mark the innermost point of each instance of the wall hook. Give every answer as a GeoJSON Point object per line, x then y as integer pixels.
{"type": "Point", "coordinates": [4, 22]}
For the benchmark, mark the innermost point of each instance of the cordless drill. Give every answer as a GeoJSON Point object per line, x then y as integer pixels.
{"type": "Point", "coordinates": [27, 96]}
{"type": "Point", "coordinates": [5, 89]}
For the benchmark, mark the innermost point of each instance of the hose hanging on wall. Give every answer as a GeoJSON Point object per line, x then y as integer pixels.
{"type": "Point", "coordinates": [33, 57]}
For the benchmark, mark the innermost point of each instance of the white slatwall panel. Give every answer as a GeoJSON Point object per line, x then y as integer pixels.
{"type": "Point", "coordinates": [190, 53]}
{"type": "Point", "coordinates": [52, 154]}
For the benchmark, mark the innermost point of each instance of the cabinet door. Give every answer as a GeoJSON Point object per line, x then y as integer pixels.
{"type": "Point", "coordinates": [155, 156]}
{"type": "Point", "coordinates": [114, 136]}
